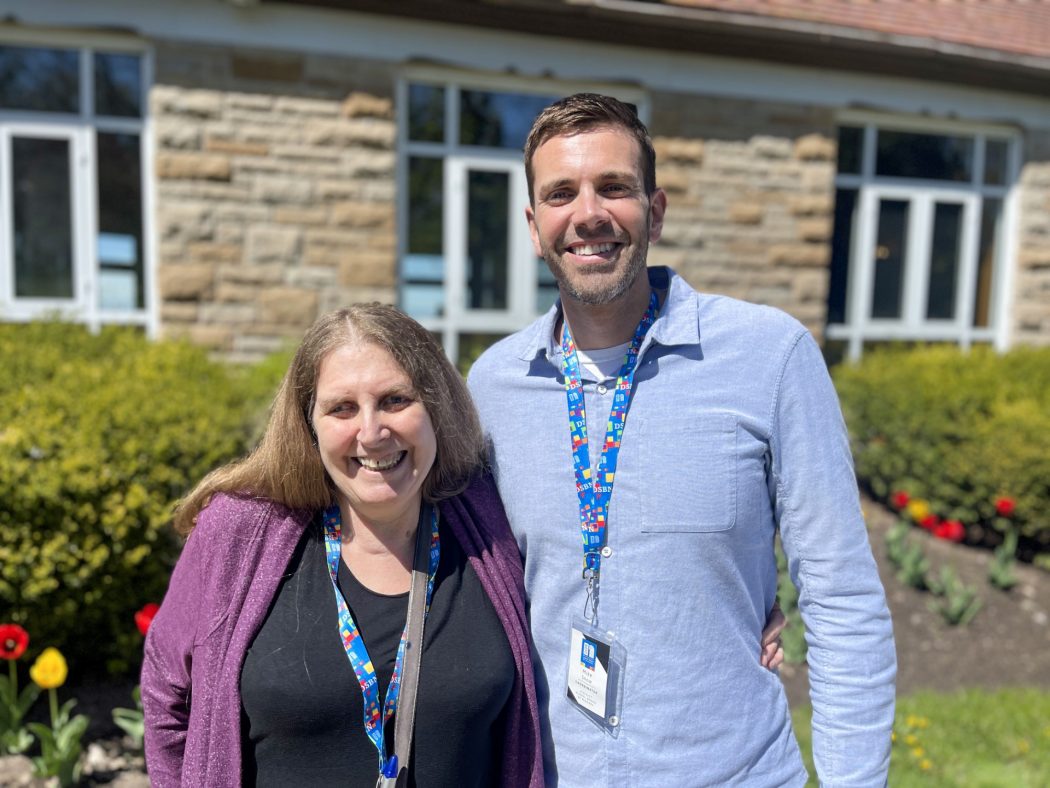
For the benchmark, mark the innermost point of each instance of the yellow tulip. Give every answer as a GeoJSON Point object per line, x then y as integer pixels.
{"type": "Point", "coordinates": [50, 669]}
{"type": "Point", "coordinates": [918, 509]}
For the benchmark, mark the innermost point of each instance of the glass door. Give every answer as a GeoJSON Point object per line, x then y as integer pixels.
{"type": "Point", "coordinates": [494, 283]}
{"type": "Point", "coordinates": [915, 262]}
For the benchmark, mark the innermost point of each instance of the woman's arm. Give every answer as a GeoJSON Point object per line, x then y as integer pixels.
{"type": "Point", "coordinates": [167, 664]}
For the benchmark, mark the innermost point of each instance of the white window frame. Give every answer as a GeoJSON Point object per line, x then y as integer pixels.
{"type": "Point", "coordinates": [80, 128]}
{"type": "Point", "coordinates": [859, 326]}
{"type": "Point", "coordinates": [457, 161]}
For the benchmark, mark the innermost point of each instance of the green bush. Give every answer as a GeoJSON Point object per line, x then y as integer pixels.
{"type": "Point", "coordinates": [100, 435]}
{"type": "Point", "coordinates": [958, 429]}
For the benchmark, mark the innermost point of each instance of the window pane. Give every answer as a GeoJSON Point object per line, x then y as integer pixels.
{"type": "Point", "coordinates": [426, 113]}
{"type": "Point", "coordinates": [424, 300]}
{"type": "Point", "coordinates": [991, 227]}
{"type": "Point", "coordinates": [931, 156]}
{"type": "Point", "coordinates": [118, 85]}
{"type": "Point", "coordinates": [423, 268]}
{"type": "Point", "coordinates": [944, 261]}
{"type": "Point", "coordinates": [488, 198]}
{"type": "Point", "coordinates": [498, 120]}
{"type": "Point", "coordinates": [889, 259]}
{"type": "Point", "coordinates": [841, 243]}
{"type": "Point", "coordinates": [547, 286]}
{"type": "Point", "coordinates": [851, 148]}
{"type": "Point", "coordinates": [120, 242]}
{"type": "Point", "coordinates": [425, 200]}
{"type": "Point", "coordinates": [995, 162]}
{"type": "Point", "coordinates": [44, 80]}
{"type": "Point", "coordinates": [43, 241]}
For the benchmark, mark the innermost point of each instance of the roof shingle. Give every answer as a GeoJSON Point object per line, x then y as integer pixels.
{"type": "Point", "coordinates": [1010, 26]}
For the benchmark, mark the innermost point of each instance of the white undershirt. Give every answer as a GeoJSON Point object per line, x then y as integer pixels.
{"type": "Point", "coordinates": [602, 364]}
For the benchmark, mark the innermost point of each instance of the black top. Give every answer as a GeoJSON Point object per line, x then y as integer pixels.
{"type": "Point", "coordinates": [301, 704]}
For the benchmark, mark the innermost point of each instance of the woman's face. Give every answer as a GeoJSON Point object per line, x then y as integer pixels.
{"type": "Point", "coordinates": [374, 435]}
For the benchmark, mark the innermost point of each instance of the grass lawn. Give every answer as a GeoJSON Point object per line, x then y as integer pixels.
{"type": "Point", "coordinates": [973, 738]}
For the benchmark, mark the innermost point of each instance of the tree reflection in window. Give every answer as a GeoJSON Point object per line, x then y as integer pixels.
{"type": "Point", "coordinates": [39, 79]}
{"type": "Point", "coordinates": [930, 156]}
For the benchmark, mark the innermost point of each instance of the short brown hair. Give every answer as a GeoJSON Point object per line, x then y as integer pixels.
{"type": "Point", "coordinates": [286, 466]}
{"type": "Point", "coordinates": [583, 112]}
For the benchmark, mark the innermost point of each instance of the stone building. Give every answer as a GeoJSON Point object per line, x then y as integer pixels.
{"type": "Point", "coordinates": [224, 170]}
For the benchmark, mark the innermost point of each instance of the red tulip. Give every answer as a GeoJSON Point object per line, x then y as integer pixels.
{"type": "Point", "coordinates": [144, 617]}
{"type": "Point", "coordinates": [952, 530]}
{"type": "Point", "coordinates": [900, 499]}
{"type": "Point", "coordinates": [930, 522]}
{"type": "Point", "coordinates": [13, 641]}
{"type": "Point", "coordinates": [1004, 507]}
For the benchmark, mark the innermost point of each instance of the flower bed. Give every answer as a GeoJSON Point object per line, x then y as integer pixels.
{"type": "Point", "coordinates": [958, 430]}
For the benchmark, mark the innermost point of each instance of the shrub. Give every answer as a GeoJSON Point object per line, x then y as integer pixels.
{"type": "Point", "coordinates": [101, 435]}
{"type": "Point", "coordinates": [958, 429]}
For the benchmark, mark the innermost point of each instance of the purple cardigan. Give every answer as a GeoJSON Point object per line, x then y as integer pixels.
{"type": "Point", "coordinates": [219, 595]}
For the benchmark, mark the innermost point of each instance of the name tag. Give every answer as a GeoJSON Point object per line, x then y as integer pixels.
{"type": "Point", "coordinates": [594, 683]}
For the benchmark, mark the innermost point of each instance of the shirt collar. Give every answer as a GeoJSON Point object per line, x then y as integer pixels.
{"type": "Point", "coordinates": [677, 324]}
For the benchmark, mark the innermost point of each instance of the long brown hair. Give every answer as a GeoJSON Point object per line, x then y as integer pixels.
{"type": "Point", "coordinates": [286, 466]}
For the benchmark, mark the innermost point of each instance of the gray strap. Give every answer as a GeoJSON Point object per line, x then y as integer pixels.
{"type": "Point", "coordinates": [406, 700]}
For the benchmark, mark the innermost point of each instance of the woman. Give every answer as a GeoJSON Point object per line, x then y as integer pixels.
{"type": "Point", "coordinates": [285, 615]}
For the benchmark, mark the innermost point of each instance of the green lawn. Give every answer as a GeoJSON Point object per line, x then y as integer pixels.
{"type": "Point", "coordinates": [973, 738]}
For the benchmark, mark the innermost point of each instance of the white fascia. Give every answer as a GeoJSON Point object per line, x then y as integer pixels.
{"type": "Point", "coordinates": [404, 41]}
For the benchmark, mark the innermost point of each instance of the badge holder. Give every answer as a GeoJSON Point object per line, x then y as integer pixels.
{"type": "Point", "coordinates": [595, 677]}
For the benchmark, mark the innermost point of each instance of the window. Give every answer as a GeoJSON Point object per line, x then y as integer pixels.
{"type": "Point", "coordinates": [72, 183]}
{"type": "Point", "coordinates": [917, 251]}
{"type": "Point", "coordinates": [467, 268]}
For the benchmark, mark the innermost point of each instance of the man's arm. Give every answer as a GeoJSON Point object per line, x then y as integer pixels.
{"type": "Point", "coordinates": [852, 662]}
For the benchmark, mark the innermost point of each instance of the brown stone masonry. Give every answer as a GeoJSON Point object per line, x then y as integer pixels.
{"type": "Point", "coordinates": [275, 192]}
{"type": "Point", "coordinates": [750, 187]}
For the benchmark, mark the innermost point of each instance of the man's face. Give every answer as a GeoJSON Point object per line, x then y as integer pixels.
{"type": "Point", "coordinates": [591, 219]}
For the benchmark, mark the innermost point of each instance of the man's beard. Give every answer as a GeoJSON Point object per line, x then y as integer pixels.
{"type": "Point", "coordinates": [606, 292]}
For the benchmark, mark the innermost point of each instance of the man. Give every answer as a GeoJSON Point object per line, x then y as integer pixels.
{"type": "Point", "coordinates": [649, 559]}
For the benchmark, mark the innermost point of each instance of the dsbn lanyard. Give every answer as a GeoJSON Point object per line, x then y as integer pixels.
{"type": "Point", "coordinates": [354, 644]}
{"type": "Point", "coordinates": [595, 492]}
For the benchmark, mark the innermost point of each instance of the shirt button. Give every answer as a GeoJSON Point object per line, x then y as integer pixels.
{"type": "Point", "coordinates": [606, 551]}
{"type": "Point", "coordinates": [602, 388]}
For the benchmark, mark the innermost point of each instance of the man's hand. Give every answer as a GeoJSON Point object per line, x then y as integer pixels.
{"type": "Point", "coordinates": [772, 654]}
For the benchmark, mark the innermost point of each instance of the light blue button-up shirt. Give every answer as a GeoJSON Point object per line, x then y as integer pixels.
{"type": "Point", "coordinates": [733, 430]}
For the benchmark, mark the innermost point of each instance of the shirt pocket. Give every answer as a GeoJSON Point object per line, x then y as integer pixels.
{"type": "Point", "coordinates": [694, 475]}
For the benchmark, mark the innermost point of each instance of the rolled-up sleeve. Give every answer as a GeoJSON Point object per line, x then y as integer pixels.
{"type": "Point", "coordinates": [852, 661]}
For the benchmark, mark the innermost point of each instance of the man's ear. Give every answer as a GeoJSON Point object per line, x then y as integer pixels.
{"type": "Point", "coordinates": [657, 209]}
{"type": "Point", "coordinates": [534, 233]}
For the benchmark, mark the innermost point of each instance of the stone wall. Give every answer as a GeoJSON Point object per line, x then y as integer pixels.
{"type": "Point", "coordinates": [750, 188]}
{"type": "Point", "coordinates": [1031, 295]}
{"type": "Point", "coordinates": [275, 193]}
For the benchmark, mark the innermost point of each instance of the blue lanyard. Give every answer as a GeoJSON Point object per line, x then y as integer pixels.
{"type": "Point", "coordinates": [595, 493]}
{"type": "Point", "coordinates": [354, 644]}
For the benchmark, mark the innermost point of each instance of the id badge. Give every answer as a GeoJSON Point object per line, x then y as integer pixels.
{"type": "Point", "coordinates": [595, 677]}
